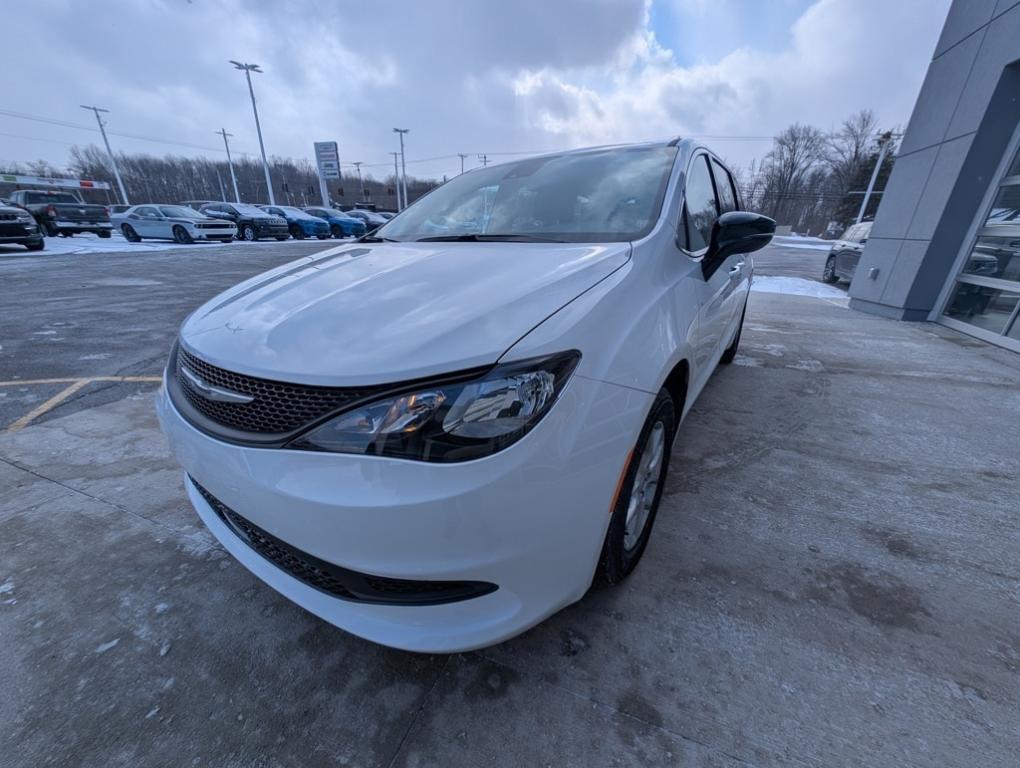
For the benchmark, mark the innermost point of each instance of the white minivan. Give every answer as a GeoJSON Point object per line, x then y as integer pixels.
{"type": "Point", "coordinates": [439, 435]}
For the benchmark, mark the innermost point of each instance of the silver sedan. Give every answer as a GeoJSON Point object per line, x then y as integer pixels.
{"type": "Point", "coordinates": [171, 222]}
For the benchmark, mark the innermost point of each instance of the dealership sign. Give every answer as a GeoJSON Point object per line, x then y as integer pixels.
{"type": "Point", "coordinates": [327, 157]}
{"type": "Point", "coordinates": [45, 181]}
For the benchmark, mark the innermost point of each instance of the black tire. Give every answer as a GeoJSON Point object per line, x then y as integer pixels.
{"type": "Point", "coordinates": [322, 237]}
{"type": "Point", "coordinates": [36, 246]}
{"type": "Point", "coordinates": [731, 350]}
{"type": "Point", "coordinates": [46, 228]}
{"type": "Point", "coordinates": [247, 233]}
{"type": "Point", "coordinates": [336, 231]}
{"type": "Point", "coordinates": [104, 233]}
{"type": "Point", "coordinates": [181, 235]}
{"type": "Point", "coordinates": [129, 233]}
{"type": "Point", "coordinates": [296, 232]}
{"type": "Point", "coordinates": [829, 273]}
{"type": "Point", "coordinates": [618, 557]}
{"type": "Point", "coordinates": [66, 234]}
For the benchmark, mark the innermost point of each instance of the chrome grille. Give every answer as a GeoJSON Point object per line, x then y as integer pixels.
{"type": "Point", "coordinates": [277, 407]}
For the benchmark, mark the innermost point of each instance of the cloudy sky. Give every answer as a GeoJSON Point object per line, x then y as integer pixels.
{"type": "Point", "coordinates": [466, 76]}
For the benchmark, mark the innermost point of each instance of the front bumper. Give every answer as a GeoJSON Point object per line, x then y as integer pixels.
{"type": "Point", "coordinates": [530, 519]}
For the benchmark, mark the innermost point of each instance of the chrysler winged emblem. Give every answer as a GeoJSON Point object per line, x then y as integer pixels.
{"type": "Point", "coordinates": [209, 392]}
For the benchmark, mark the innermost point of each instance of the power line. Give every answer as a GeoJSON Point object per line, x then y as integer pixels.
{"type": "Point", "coordinates": [79, 126]}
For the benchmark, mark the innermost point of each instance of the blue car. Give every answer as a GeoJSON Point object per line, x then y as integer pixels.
{"type": "Point", "coordinates": [340, 224]}
{"type": "Point", "coordinates": [301, 224]}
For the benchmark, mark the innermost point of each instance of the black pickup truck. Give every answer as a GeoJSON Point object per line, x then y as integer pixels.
{"type": "Point", "coordinates": [63, 213]}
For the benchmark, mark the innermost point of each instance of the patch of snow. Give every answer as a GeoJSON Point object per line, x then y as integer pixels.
{"type": "Point", "coordinates": [807, 243]}
{"type": "Point", "coordinates": [104, 647]}
{"type": "Point", "coordinates": [796, 286]}
{"type": "Point", "coordinates": [7, 586]}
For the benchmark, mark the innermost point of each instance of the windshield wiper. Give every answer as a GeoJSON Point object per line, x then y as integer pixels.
{"type": "Point", "coordinates": [376, 239]}
{"type": "Point", "coordinates": [478, 237]}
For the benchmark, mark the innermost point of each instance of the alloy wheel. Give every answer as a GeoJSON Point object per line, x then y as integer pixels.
{"type": "Point", "coordinates": [646, 483]}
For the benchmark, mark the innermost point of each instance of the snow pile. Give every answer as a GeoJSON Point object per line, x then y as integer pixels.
{"type": "Point", "coordinates": [796, 286]}
{"type": "Point", "coordinates": [797, 241]}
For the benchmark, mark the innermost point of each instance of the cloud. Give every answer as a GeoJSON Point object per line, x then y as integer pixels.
{"type": "Point", "coordinates": [464, 77]}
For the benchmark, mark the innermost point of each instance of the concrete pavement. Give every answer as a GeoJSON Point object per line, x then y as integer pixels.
{"type": "Point", "coordinates": [832, 581]}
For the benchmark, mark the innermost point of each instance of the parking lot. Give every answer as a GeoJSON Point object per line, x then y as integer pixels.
{"type": "Point", "coordinates": [833, 578]}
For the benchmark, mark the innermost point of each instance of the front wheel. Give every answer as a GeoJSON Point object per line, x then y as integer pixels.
{"type": "Point", "coordinates": [248, 232]}
{"type": "Point", "coordinates": [639, 494]}
{"type": "Point", "coordinates": [129, 233]}
{"type": "Point", "coordinates": [36, 246]}
{"type": "Point", "coordinates": [296, 232]}
{"type": "Point", "coordinates": [829, 273]}
{"type": "Point", "coordinates": [181, 235]}
{"type": "Point", "coordinates": [104, 233]}
{"type": "Point", "coordinates": [337, 232]}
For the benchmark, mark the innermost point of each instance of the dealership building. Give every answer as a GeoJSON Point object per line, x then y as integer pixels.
{"type": "Point", "coordinates": [945, 245]}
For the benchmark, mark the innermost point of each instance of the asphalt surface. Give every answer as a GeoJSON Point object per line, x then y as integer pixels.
{"type": "Point", "coordinates": [832, 580]}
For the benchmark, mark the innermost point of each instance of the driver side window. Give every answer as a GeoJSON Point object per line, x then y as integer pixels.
{"type": "Point", "coordinates": [700, 208]}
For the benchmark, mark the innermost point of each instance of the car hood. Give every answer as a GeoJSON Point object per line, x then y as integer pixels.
{"type": "Point", "coordinates": [388, 312]}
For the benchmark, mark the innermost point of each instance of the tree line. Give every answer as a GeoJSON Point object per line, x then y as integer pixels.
{"type": "Point", "coordinates": [810, 180]}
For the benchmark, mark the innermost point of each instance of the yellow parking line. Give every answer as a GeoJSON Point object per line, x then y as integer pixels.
{"type": "Point", "coordinates": [17, 382]}
{"type": "Point", "coordinates": [62, 395]}
{"type": "Point", "coordinates": [50, 404]}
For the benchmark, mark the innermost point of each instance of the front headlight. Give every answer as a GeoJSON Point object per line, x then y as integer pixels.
{"type": "Point", "coordinates": [450, 422]}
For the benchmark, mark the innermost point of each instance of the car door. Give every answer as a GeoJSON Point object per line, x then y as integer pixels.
{"type": "Point", "coordinates": [843, 249]}
{"type": "Point", "coordinates": [697, 215]}
{"type": "Point", "coordinates": [854, 250]}
{"type": "Point", "coordinates": [146, 223]}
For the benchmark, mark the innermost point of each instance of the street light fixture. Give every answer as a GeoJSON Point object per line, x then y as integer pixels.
{"type": "Point", "coordinates": [248, 69]}
{"type": "Point", "coordinates": [403, 165]}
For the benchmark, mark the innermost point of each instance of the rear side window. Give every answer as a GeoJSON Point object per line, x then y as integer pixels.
{"type": "Point", "coordinates": [851, 234]}
{"type": "Point", "coordinates": [724, 187]}
{"type": "Point", "coordinates": [700, 211]}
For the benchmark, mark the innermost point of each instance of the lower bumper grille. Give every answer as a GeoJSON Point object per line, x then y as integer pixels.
{"type": "Point", "coordinates": [341, 582]}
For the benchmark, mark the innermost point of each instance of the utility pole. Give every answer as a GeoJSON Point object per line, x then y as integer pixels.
{"type": "Point", "coordinates": [248, 69]}
{"type": "Point", "coordinates": [219, 180]}
{"type": "Point", "coordinates": [884, 141]}
{"type": "Point", "coordinates": [106, 141]}
{"type": "Point", "coordinates": [484, 160]}
{"type": "Point", "coordinates": [403, 162]}
{"type": "Point", "coordinates": [461, 161]}
{"type": "Point", "coordinates": [226, 144]}
{"type": "Point", "coordinates": [361, 184]}
{"type": "Point", "coordinates": [396, 177]}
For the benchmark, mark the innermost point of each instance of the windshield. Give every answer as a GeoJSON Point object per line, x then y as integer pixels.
{"type": "Point", "coordinates": [250, 210]}
{"type": "Point", "coordinates": [47, 197]}
{"type": "Point", "coordinates": [608, 195]}
{"type": "Point", "coordinates": [179, 212]}
{"type": "Point", "coordinates": [297, 213]}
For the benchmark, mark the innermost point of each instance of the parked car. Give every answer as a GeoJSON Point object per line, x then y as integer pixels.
{"type": "Point", "coordinates": [172, 222]}
{"type": "Point", "coordinates": [845, 253]}
{"type": "Point", "coordinates": [18, 227]}
{"type": "Point", "coordinates": [252, 222]}
{"type": "Point", "coordinates": [301, 224]}
{"type": "Point", "coordinates": [385, 214]}
{"type": "Point", "coordinates": [63, 213]}
{"type": "Point", "coordinates": [115, 209]}
{"type": "Point", "coordinates": [340, 224]}
{"type": "Point", "coordinates": [371, 218]}
{"type": "Point", "coordinates": [436, 442]}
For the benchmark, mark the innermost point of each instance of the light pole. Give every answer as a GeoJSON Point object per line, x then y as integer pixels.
{"type": "Point", "coordinates": [106, 141]}
{"type": "Point", "coordinates": [461, 161]}
{"type": "Point", "coordinates": [223, 132]}
{"type": "Point", "coordinates": [248, 69]}
{"type": "Point", "coordinates": [403, 162]}
{"type": "Point", "coordinates": [361, 185]}
{"type": "Point", "coordinates": [883, 146]}
{"type": "Point", "coordinates": [396, 176]}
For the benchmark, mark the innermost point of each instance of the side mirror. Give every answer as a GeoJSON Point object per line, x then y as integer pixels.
{"type": "Point", "coordinates": [739, 232]}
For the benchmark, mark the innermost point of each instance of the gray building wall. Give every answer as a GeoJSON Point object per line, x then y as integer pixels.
{"type": "Point", "coordinates": [962, 124]}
